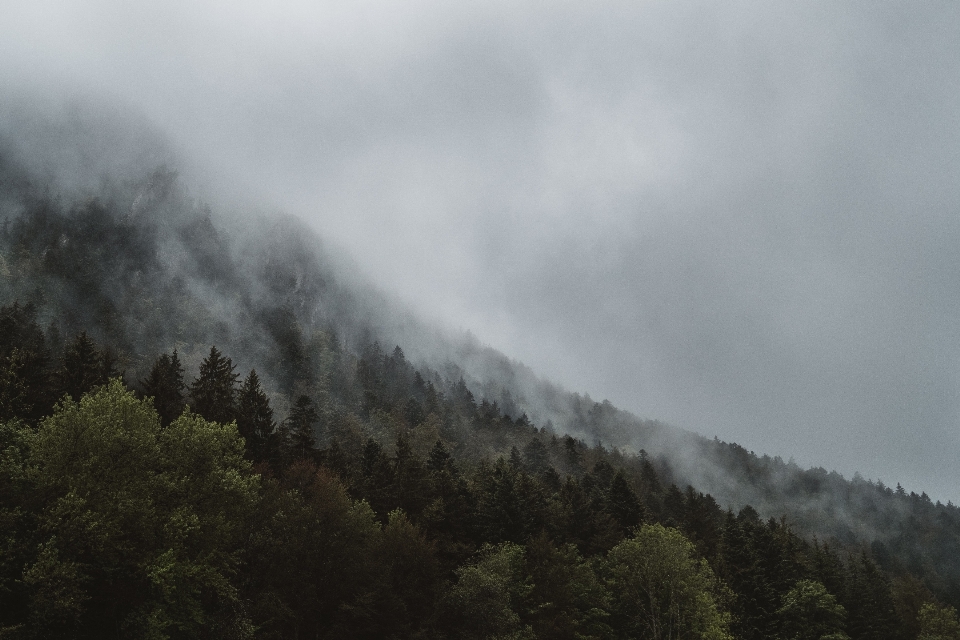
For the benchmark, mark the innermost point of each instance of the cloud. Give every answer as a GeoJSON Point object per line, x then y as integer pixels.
{"type": "Point", "coordinates": [740, 218]}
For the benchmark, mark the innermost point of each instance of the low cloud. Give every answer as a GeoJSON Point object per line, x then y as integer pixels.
{"type": "Point", "coordinates": [741, 218]}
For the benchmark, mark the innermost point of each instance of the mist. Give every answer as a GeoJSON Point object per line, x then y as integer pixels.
{"type": "Point", "coordinates": [739, 219]}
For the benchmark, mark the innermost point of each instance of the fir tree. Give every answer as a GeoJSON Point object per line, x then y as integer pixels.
{"type": "Point", "coordinates": [213, 393]}
{"type": "Point", "coordinates": [254, 416]}
{"type": "Point", "coordinates": [165, 385]}
{"type": "Point", "coordinates": [300, 426]}
{"type": "Point", "coordinates": [623, 503]}
{"type": "Point", "coordinates": [84, 367]}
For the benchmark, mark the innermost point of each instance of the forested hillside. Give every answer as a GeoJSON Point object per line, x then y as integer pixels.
{"type": "Point", "coordinates": [214, 429]}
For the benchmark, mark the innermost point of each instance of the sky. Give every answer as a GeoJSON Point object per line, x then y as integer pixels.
{"type": "Point", "coordinates": [742, 218]}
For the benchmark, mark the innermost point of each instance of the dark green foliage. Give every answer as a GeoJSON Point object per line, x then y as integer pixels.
{"type": "Point", "coordinates": [84, 367]}
{"type": "Point", "coordinates": [213, 392]}
{"type": "Point", "coordinates": [165, 385]}
{"type": "Point", "coordinates": [255, 417]}
{"type": "Point", "coordinates": [536, 457]}
{"type": "Point", "coordinates": [410, 479]}
{"type": "Point", "coordinates": [868, 601]}
{"type": "Point", "coordinates": [300, 425]}
{"type": "Point", "coordinates": [290, 352]}
{"type": "Point", "coordinates": [138, 528]}
{"type": "Point", "coordinates": [24, 365]}
{"type": "Point", "coordinates": [394, 502]}
{"type": "Point", "coordinates": [439, 459]}
{"type": "Point", "coordinates": [567, 600]}
{"type": "Point", "coordinates": [623, 503]}
{"type": "Point", "coordinates": [488, 596]}
{"type": "Point", "coordinates": [362, 546]}
{"type": "Point", "coordinates": [810, 612]}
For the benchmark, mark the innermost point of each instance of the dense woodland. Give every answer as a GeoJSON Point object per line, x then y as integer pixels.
{"type": "Point", "coordinates": [202, 440]}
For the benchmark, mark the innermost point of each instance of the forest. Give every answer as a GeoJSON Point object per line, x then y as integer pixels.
{"type": "Point", "coordinates": [202, 436]}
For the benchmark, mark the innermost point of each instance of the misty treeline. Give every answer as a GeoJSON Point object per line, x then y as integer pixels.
{"type": "Point", "coordinates": [299, 480]}
{"type": "Point", "coordinates": [170, 507]}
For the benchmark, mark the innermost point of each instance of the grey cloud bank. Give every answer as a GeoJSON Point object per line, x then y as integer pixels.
{"type": "Point", "coordinates": [738, 218]}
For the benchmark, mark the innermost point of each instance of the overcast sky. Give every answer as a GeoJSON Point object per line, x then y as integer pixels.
{"type": "Point", "coordinates": [740, 218]}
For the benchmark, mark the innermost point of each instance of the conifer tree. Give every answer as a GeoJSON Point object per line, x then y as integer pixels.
{"type": "Point", "coordinates": [84, 367]}
{"type": "Point", "coordinates": [24, 365]}
{"type": "Point", "coordinates": [300, 425]}
{"type": "Point", "coordinates": [165, 385]}
{"type": "Point", "coordinates": [623, 503]}
{"type": "Point", "coordinates": [439, 459]}
{"type": "Point", "coordinates": [254, 416]}
{"type": "Point", "coordinates": [536, 456]}
{"type": "Point", "coordinates": [213, 393]}
{"type": "Point", "coordinates": [410, 478]}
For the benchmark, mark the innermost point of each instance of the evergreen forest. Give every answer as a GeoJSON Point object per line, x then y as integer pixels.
{"type": "Point", "coordinates": [213, 429]}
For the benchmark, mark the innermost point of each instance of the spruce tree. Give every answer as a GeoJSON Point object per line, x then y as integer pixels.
{"type": "Point", "coordinates": [213, 393]}
{"type": "Point", "coordinates": [439, 459]}
{"type": "Point", "coordinates": [24, 365]}
{"type": "Point", "coordinates": [300, 425]}
{"type": "Point", "coordinates": [623, 504]}
{"type": "Point", "coordinates": [254, 416]}
{"type": "Point", "coordinates": [165, 385]}
{"type": "Point", "coordinates": [84, 367]}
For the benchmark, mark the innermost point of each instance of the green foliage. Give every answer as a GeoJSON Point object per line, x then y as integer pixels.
{"type": "Point", "coordinates": [300, 425]}
{"type": "Point", "coordinates": [255, 417]}
{"type": "Point", "coordinates": [567, 600]}
{"type": "Point", "coordinates": [809, 612]}
{"type": "Point", "coordinates": [142, 526]}
{"type": "Point", "coordinates": [111, 525]}
{"type": "Point", "coordinates": [17, 521]}
{"type": "Point", "coordinates": [84, 367]}
{"type": "Point", "coordinates": [938, 623]}
{"type": "Point", "coordinates": [15, 391]}
{"type": "Point", "coordinates": [165, 385]}
{"type": "Point", "coordinates": [487, 599]}
{"type": "Point", "coordinates": [213, 392]}
{"type": "Point", "coordinates": [661, 589]}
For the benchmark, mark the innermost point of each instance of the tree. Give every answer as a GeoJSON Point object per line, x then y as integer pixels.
{"type": "Point", "coordinates": [810, 612]}
{"type": "Point", "coordinates": [938, 623]}
{"type": "Point", "coordinates": [300, 427]}
{"type": "Point", "coordinates": [661, 589]}
{"type": "Point", "coordinates": [623, 503]}
{"type": "Point", "coordinates": [871, 614]}
{"type": "Point", "coordinates": [536, 456]}
{"type": "Point", "coordinates": [24, 365]}
{"type": "Point", "coordinates": [486, 601]}
{"type": "Point", "coordinates": [15, 392]}
{"type": "Point", "coordinates": [143, 527]}
{"type": "Point", "coordinates": [567, 601]}
{"type": "Point", "coordinates": [439, 459]}
{"type": "Point", "coordinates": [254, 416]}
{"type": "Point", "coordinates": [165, 385]}
{"type": "Point", "coordinates": [213, 393]}
{"type": "Point", "coordinates": [84, 367]}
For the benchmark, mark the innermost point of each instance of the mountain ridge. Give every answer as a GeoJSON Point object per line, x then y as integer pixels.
{"type": "Point", "coordinates": [145, 268]}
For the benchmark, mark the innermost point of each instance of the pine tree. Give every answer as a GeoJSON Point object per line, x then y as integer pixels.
{"type": "Point", "coordinates": [254, 416]}
{"type": "Point", "coordinates": [213, 393]}
{"type": "Point", "coordinates": [165, 385]}
{"type": "Point", "coordinates": [536, 456]}
{"type": "Point", "coordinates": [623, 504]}
{"type": "Point", "coordinates": [300, 425]}
{"type": "Point", "coordinates": [84, 367]}
{"type": "Point", "coordinates": [24, 365]}
{"type": "Point", "coordinates": [439, 459]}
{"type": "Point", "coordinates": [410, 478]}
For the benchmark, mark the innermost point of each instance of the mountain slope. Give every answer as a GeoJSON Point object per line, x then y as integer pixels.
{"type": "Point", "coordinates": [144, 268]}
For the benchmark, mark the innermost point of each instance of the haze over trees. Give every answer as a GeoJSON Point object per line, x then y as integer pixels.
{"type": "Point", "coordinates": [356, 484]}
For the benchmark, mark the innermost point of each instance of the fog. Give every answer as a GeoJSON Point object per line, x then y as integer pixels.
{"type": "Point", "coordinates": [739, 219]}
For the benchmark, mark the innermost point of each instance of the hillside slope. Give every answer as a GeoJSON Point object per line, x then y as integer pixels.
{"type": "Point", "coordinates": [144, 268]}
